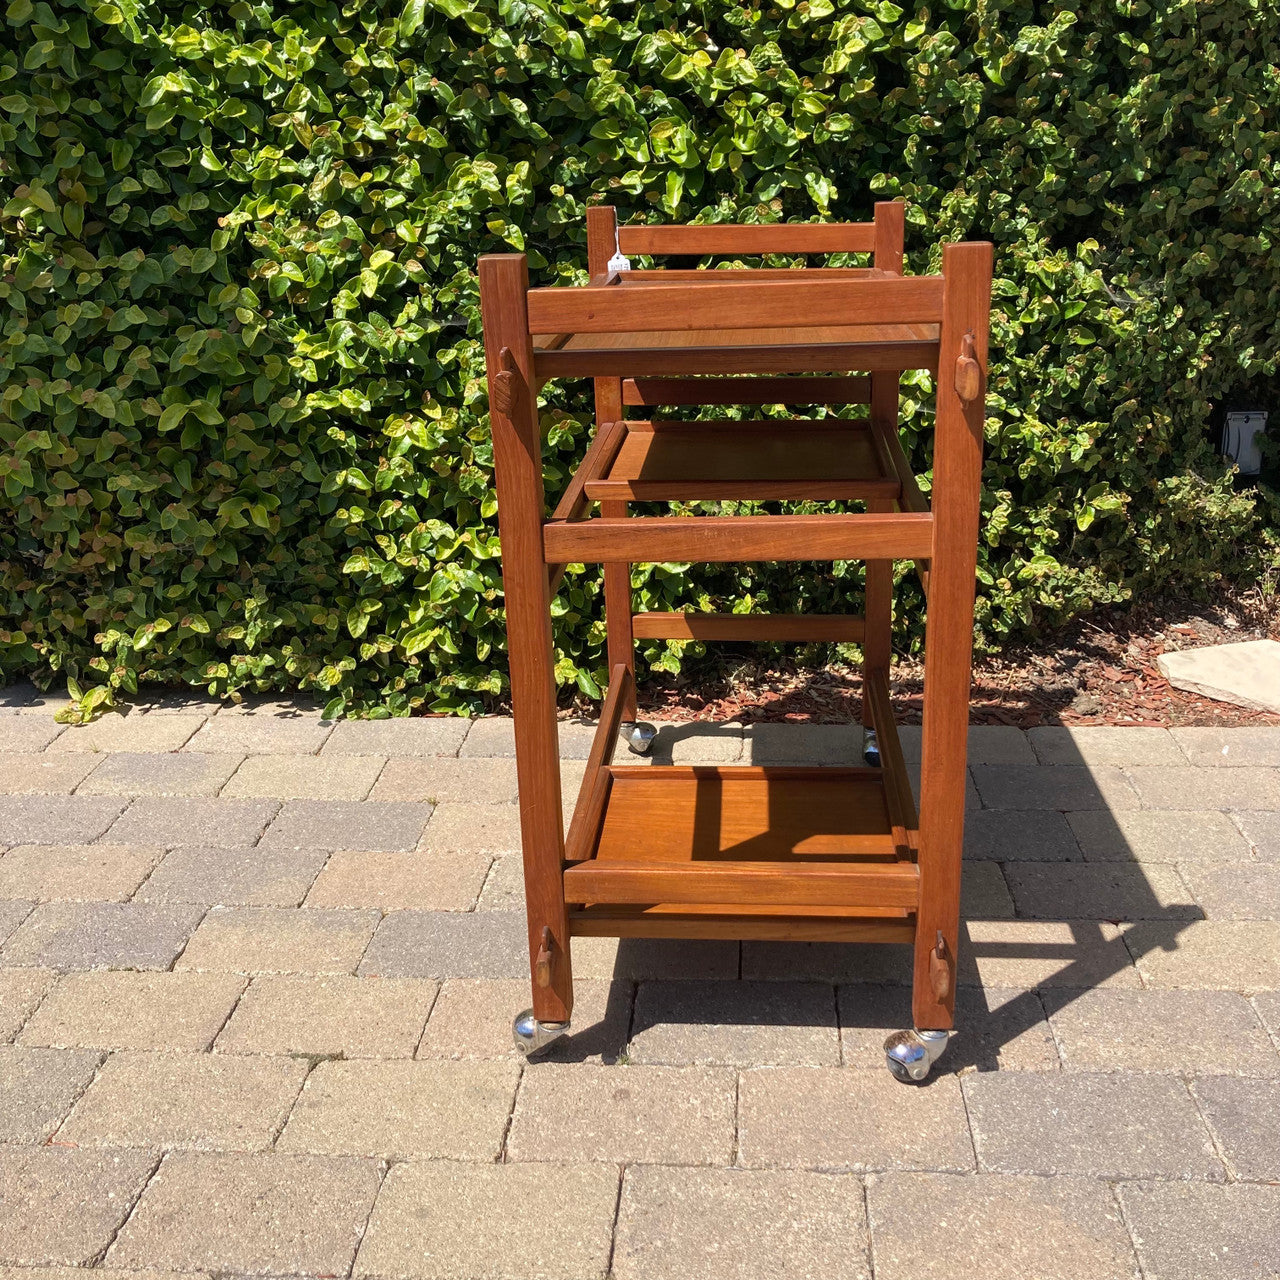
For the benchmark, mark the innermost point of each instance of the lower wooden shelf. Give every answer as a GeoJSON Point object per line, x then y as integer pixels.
{"type": "Point", "coordinates": [740, 851]}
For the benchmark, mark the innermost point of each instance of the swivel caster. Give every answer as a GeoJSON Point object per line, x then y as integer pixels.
{"type": "Point", "coordinates": [639, 738]}
{"type": "Point", "coordinates": [870, 748]}
{"type": "Point", "coordinates": [911, 1054]}
{"type": "Point", "coordinates": [532, 1036]}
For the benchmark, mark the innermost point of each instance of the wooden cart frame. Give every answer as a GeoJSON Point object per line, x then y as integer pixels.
{"type": "Point", "coordinates": [832, 854]}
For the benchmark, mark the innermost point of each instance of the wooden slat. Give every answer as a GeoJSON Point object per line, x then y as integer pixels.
{"type": "Point", "coordinates": [897, 783]}
{"type": "Point", "coordinates": [593, 795]}
{"type": "Point", "coordinates": [733, 924]}
{"type": "Point", "coordinates": [595, 462]}
{"type": "Point", "coordinates": [642, 277]}
{"type": "Point", "coordinates": [670, 539]}
{"type": "Point", "coordinates": [891, 443]}
{"type": "Point", "coordinates": [801, 628]}
{"type": "Point", "coordinates": [744, 391]}
{"type": "Point", "coordinates": [695, 356]}
{"type": "Point", "coordinates": [745, 883]}
{"type": "Point", "coordinates": [740, 490]}
{"type": "Point", "coordinates": [771, 303]}
{"type": "Point", "coordinates": [782, 237]}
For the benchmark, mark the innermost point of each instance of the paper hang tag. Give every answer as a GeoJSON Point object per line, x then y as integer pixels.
{"type": "Point", "coordinates": [619, 262]}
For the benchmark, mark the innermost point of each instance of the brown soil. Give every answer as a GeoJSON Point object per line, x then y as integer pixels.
{"type": "Point", "coordinates": [1100, 671]}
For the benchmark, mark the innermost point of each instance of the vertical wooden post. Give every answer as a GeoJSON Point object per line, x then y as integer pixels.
{"type": "Point", "coordinates": [602, 241]}
{"type": "Point", "coordinates": [890, 221]}
{"type": "Point", "coordinates": [517, 457]}
{"type": "Point", "coordinates": [956, 502]}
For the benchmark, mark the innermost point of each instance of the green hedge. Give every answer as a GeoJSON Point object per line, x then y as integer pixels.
{"type": "Point", "coordinates": [242, 404]}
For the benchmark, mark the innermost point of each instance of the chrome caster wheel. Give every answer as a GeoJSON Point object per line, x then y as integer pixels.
{"type": "Point", "coordinates": [532, 1036]}
{"type": "Point", "coordinates": [870, 748]}
{"type": "Point", "coordinates": [639, 738]}
{"type": "Point", "coordinates": [911, 1054]}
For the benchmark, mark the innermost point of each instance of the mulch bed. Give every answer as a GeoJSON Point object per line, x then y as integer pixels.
{"type": "Point", "coordinates": [1101, 671]}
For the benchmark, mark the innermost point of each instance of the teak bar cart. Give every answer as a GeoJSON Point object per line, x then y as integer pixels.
{"type": "Point", "coordinates": [823, 853]}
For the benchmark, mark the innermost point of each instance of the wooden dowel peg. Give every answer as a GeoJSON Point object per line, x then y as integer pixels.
{"type": "Point", "coordinates": [940, 968]}
{"type": "Point", "coordinates": [968, 371]}
{"type": "Point", "coordinates": [542, 965]}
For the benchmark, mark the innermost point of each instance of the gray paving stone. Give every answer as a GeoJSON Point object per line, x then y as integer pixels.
{"type": "Point", "coordinates": [1230, 748]}
{"type": "Point", "coordinates": [484, 828]}
{"type": "Point", "coordinates": [1194, 1231]}
{"type": "Point", "coordinates": [133, 732]}
{"type": "Point", "coordinates": [1105, 1126]}
{"type": "Point", "coordinates": [1190, 788]}
{"type": "Point", "coordinates": [440, 1220]}
{"type": "Point", "coordinates": [1011, 835]}
{"type": "Point", "coordinates": [172, 773]}
{"type": "Point", "coordinates": [984, 895]}
{"type": "Point", "coordinates": [826, 962]}
{"type": "Point", "coordinates": [646, 959]}
{"type": "Point", "coordinates": [62, 1207]}
{"type": "Point", "coordinates": [12, 914]}
{"type": "Point", "coordinates": [1150, 836]}
{"type": "Point", "coordinates": [231, 877]}
{"type": "Point", "coordinates": [834, 1119]}
{"type": "Point", "coordinates": [434, 1110]}
{"type": "Point", "coordinates": [800, 744]}
{"type": "Point", "coordinates": [1045, 954]}
{"type": "Point", "coordinates": [205, 1101]}
{"type": "Point", "coordinates": [279, 940]}
{"type": "Point", "coordinates": [345, 824]}
{"type": "Point", "coordinates": [250, 1214]}
{"type": "Point", "coordinates": [449, 944]}
{"type": "Point", "coordinates": [28, 733]}
{"type": "Point", "coordinates": [175, 820]}
{"type": "Point", "coordinates": [472, 1019]}
{"type": "Point", "coordinates": [332, 1016]}
{"type": "Point", "coordinates": [746, 1023]}
{"type": "Point", "coordinates": [119, 1009]}
{"type": "Point", "coordinates": [43, 773]}
{"type": "Point", "coordinates": [38, 1088]}
{"type": "Point", "coordinates": [395, 881]}
{"type": "Point", "coordinates": [494, 736]}
{"type": "Point", "coordinates": [443, 780]}
{"type": "Point", "coordinates": [21, 693]}
{"type": "Point", "coordinates": [1105, 744]}
{"type": "Point", "coordinates": [1241, 891]}
{"type": "Point", "coordinates": [76, 873]}
{"type": "Point", "coordinates": [700, 742]}
{"type": "Point", "coordinates": [1190, 1032]}
{"type": "Point", "coordinates": [398, 736]}
{"type": "Point", "coordinates": [20, 991]}
{"type": "Point", "coordinates": [102, 935]}
{"type": "Point", "coordinates": [304, 777]}
{"type": "Point", "coordinates": [57, 819]}
{"type": "Point", "coordinates": [930, 1226]}
{"type": "Point", "coordinates": [24, 699]}
{"type": "Point", "coordinates": [995, 1029]}
{"type": "Point", "coordinates": [262, 732]}
{"type": "Point", "coordinates": [987, 744]}
{"type": "Point", "coordinates": [1053, 786]}
{"type": "Point", "coordinates": [1244, 1117]}
{"type": "Point", "coordinates": [624, 1115]}
{"type": "Point", "coordinates": [972, 801]}
{"type": "Point", "coordinates": [750, 1224]}
{"type": "Point", "coordinates": [1267, 1004]}
{"type": "Point", "coordinates": [1097, 891]}
{"type": "Point", "coordinates": [504, 885]}
{"type": "Point", "coordinates": [1231, 955]}
{"type": "Point", "coordinates": [1262, 831]}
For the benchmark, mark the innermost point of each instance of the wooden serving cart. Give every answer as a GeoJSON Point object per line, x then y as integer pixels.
{"type": "Point", "coordinates": [828, 853]}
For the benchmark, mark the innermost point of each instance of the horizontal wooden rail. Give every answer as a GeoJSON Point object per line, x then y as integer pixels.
{"type": "Point", "coordinates": [801, 628]}
{"type": "Point", "coordinates": [771, 304]}
{"type": "Point", "coordinates": [669, 539]}
{"type": "Point", "coordinates": [716, 921]}
{"type": "Point", "coordinates": [788, 884]}
{"type": "Point", "coordinates": [693, 490]}
{"type": "Point", "coordinates": [778, 237]}
{"type": "Point", "coordinates": [636, 360]}
{"type": "Point", "coordinates": [736, 275]}
{"type": "Point", "coordinates": [680, 391]}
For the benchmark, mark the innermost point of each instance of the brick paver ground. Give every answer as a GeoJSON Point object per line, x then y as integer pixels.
{"type": "Point", "coordinates": [257, 973]}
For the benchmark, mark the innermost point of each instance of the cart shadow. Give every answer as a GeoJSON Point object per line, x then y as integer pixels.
{"type": "Point", "coordinates": [1043, 923]}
